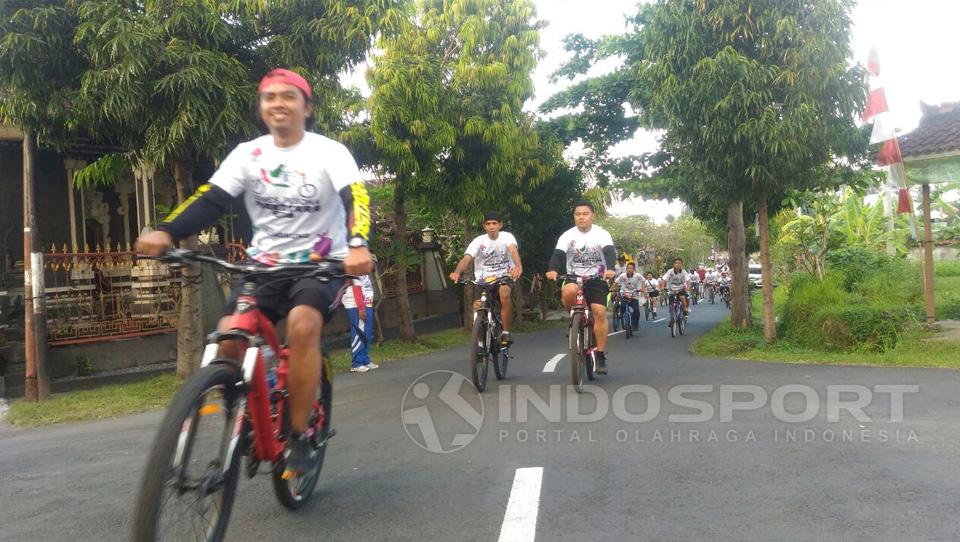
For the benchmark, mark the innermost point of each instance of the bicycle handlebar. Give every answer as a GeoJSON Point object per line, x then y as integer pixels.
{"type": "Point", "coordinates": [324, 268]}
{"type": "Point", "coordinates": [501, 280]}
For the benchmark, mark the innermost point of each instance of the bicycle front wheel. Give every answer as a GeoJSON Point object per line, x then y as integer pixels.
{"type": "Point", "coordinates": [577, 363]}
{"type": "Point", "coordinates": [191, 476]}
{"type": "Point", "coordinates": [478, 353]}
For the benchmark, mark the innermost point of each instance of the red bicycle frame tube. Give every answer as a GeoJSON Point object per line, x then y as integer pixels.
{"type": "Point", "coordinates": [254, 323]}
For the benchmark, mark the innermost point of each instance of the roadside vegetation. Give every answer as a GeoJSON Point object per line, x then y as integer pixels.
{"type": "Point", "coordinates": [867, 309]}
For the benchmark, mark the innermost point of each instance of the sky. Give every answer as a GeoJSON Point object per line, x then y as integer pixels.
{"type": "Point", "coordinates": [916, 40]}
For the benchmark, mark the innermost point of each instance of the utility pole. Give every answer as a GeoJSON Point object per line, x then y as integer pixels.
{"type": "Point", "coordinates": [928, 257]}
{"type": "Point", "coordinates": [37, 385]}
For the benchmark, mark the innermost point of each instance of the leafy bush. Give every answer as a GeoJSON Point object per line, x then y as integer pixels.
{"type": "Point", "coordinates": [859, 328]}
{"type": "Point", "coordinates": [853, 264]}
{"type": "Point", "coordinates": [807, 296]}
{"type": "Point", "coordinates": [891, 282]}
{"type": "Point", "coordinates": [946, 268]}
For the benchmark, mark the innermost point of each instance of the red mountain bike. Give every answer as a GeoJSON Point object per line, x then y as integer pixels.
{"type": "Point", "coordinates": [228, 410]}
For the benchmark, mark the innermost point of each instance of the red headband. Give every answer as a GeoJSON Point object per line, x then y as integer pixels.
{"type": "Point", "coordinates": [281, 75]}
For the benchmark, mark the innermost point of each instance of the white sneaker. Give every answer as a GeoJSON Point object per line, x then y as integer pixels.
{"type": "Point", "coordinates": [372, 366]}
{"type": "Point", "coordinates": [360, 369]}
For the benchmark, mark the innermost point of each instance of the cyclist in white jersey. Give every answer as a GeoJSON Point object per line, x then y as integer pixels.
{"type": "Point", "coordinates": [586, 250]}
{"type": "Point", "coordinates": [676, 282]}
{"type": "Point", "coordinates": [495, 256]}
{"type": "Point", "coordinates": [307, 201]}
{"type": "Point", "coordinates": [631, 286]}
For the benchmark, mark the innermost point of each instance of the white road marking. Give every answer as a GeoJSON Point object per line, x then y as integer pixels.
{"type": "Point", "coordinates": [520, 520]}
{"type": "Point", "coordinates": [551, 365]}
{"type": "Point", "coordinates": [616, 332]}
{"type": "Point", "coordinates": [659, 320]}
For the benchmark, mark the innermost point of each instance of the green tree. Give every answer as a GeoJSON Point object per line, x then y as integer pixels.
{"type": "Point", "coordinates": [175, 81]}
{"type": "Point", "coordinates": [755, 97]}
{"type": "Point", "coordinates": [446, 110]}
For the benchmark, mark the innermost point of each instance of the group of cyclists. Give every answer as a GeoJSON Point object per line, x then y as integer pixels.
{"type": "Point", "coordinates": [308, 203]}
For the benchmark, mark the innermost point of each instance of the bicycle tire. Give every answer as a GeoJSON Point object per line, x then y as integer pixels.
{"type": "Point", "coordinates": [589, 342]}
{"type": "Point", "coordinates": [577, 362]}
{"type": "Point", "coordinates": [478, 353]}
{"type": "Point", "coordinates": [681, 324]}
{"type": "Point", "coordinates": [294, 493]}
{"type": "Point", "coordinates": [166, 449]}
{"type": "Point", "coordinates": [628, 323]}
{"type": "Point", "coordinates": [617, 315]}
{"type": "Point", "coordinates": [500, 361]}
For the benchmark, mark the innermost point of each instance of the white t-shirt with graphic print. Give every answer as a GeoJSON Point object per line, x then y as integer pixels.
{"type": "Point", "coordinates": [584, 250]}
{"type": "Point", "coordinates": [292, 195]}
{"type": "Point", "coordinates": [490, 256]}
{"type": "Point", "coordinates": [631, 286]}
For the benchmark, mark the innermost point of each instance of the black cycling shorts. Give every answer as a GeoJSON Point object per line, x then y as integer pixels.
{"type": "Point", "coordinates": [652, 293]}
{"type": "Point", "coordinates": [594, 291]}
{"type": "Point", "coordinates": [275, 298]}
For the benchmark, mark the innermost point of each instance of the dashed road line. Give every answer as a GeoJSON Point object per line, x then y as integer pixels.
{"type": "Point", "coordinates": [520, 519]}
{"type": "Point", "coordinates": [551, 365]}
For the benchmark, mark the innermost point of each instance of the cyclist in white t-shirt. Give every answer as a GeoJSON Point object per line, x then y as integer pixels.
{"type": "Point", "coordinates": [307, 201]}
{"type": "Point", "coordinates": [496, 259]}
{"type": "Point", "coordinates": [677, 282]}
{"type": "Point", "coordinates": [586, 250]}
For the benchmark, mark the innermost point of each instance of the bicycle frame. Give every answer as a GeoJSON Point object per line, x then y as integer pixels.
{"type": "Point", "coordinates": [253, 329]}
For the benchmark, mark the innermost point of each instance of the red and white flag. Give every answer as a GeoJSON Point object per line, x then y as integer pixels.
{"type": "Point", "coordinates": [884, 133]}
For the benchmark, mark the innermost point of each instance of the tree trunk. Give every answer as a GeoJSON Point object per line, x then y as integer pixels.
{"type": "Point", "coordinates": [190, 326]}
{"type": "Point", "coordinates": [737, 246]}
{"type": "Point", "coordinates": [769, 322]}
{"type": "Point", "coordinates": [407, 332]}
{"type": "Point", "coordinates": [468, 290]}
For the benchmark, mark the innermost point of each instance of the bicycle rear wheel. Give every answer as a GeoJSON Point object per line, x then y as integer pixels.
{"type": "Point", "coordinates": [478, 353]}
{"type": "Point", "coordinates": [191, 476]}
{"type": "Point", "coordinates": [295, 492]}
{"type": "Point", "coordinates": [576, 349]}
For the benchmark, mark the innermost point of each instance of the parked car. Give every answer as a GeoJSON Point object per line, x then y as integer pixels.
{"type": "Point", "coordinates": [754, 276]}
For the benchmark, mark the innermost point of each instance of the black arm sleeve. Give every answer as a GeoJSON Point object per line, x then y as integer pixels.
{"type": "Point", "coordinates": [200, 210]}
{"type": "Point", "coordinates": [558, 261]}
{"type": "Point", "coordinates": [610, 256]}
{"type": "Point", "coordinates": [356, 206]}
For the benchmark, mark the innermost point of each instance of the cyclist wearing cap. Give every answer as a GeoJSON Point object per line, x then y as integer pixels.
{"type": "Point", "coordinates": [495, 257]}
{"type": "Point", "coordinates": [307, 202]}
{"type": "Point", "coordinates": [587, 250]}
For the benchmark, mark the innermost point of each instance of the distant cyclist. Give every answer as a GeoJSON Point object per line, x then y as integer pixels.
{"type": "Point", "coordinates": [495, 257]}
{"type": "Point", "coordinates": [652, 285]}
{"type": "Point", "coordinates": [621, 266]}
{"type": "Point", "coordinates": [631, 286]}
{"type": "Point", "coordinates": [586, 250]}
{"type": "Point", "coordinates": [677, 281]}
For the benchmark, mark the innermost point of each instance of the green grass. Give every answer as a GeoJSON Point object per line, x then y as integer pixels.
{"type": "Point", "coordinates": [95, 404]}
{"type": "Point", "coordinates": [916, 348]}
{"type": "Point", "coordinates": [122, 399]}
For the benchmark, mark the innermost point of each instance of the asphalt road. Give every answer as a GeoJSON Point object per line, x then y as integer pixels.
{"type": "Point", "coordinates": [542, 468]}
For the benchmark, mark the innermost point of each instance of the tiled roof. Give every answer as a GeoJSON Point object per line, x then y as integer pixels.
{"type": "Point", "coordinates": [939, 132]}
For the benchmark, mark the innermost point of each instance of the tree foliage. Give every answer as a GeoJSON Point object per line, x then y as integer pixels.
{"type": "Point", "coordinates": [446, 111]}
